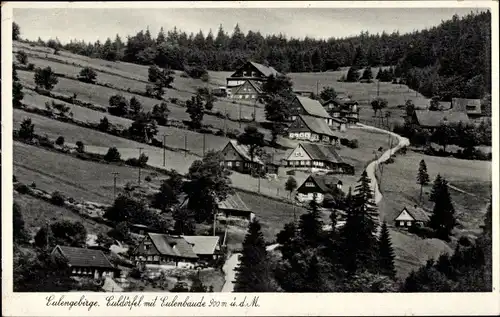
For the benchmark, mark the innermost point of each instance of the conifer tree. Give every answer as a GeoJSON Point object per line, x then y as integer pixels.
{"type": "Point", "coordinates": [367, 73]}
{"type": "Point", "coordinates": [443, 218]}
{"type": "Point", "coordinates": [311, 226]}
{"type": "Point", "coordinates": [435, 187]}
{"type": "Point", "coordinates": [386, 253]}
{"type": "Point", "coordinates": [422, 177]}
{"type": "Point", "coordinates": [252, 274]}
{"type": "Point", "coordinates": [357, 238]}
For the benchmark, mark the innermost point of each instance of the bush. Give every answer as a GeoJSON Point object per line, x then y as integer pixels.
{"type": "Point", "coordinates": [22, 188]}
{"type": "Point", "coordinates": [344, 141]}
{"type": "Point", "coordinates": [423, 232]}
{"type": "Point", "coordinates": [57, 198]}
{"type": "Point", "coordinates": [80, 148]}
{"type": "Point", "coordinates": [87, 75]}
{"type": "Point", "coordinates": [174, 100]}
{"type": "Point", "coordinates": [353, 144]}
{"type": "Point", "coordinates": [205, 77]}
{"type": "Point", "coordinates": [219, 132]}
{"type": "Point", "coordinates": [113, 155]}
{"type": "Point", "coordinates": [147, 178]}
{"type": "Point", "coordinates": [135, 273]}
{"type": "Point", "coordinates": [196, 72]}
{"type": "Point", "coordinates": [45, 142]}
{"type": "Point", "coordinates": [33, 185]}
{"type": "Point", "coordinates": [60, 141]}
{"type": "Point", "coordinates": [290, 172]}
{"type": "Point", "coordinates": [30, 67]}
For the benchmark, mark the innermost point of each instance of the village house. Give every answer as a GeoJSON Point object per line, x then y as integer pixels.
{"type": "Point", "coordinates": [246, 81]}
{"type": "Point", "coordinates": [304, 93]}
{"type": "Point", "coordinates": [471, 107]}
{"type": "Point", "coordinates": [308, 128]}
{"type": "Point", "coordinates": [343, 109]}
{"type": "Point", "coordinates": [430, 120]}
{"type": "Point", "coordinates": [411, 216]}
{"type": "Point", "coordinates": [310, 107]}
{"type": "Point", "coordinates": [175, 250]}
{"type": "Point", "coordinates": [234, 206]}
{"type": "Point", "coordinates": [317, 186]}
{"type": "Point", "coordinates": [84, 262]}
{"type": "Point", "coordinates": [237, 157]}
{"type": "Point", "coordinates": [318, 157]}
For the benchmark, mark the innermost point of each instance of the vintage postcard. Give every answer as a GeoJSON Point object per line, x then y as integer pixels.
{"type": "Point", "coordinates": [250, 158]}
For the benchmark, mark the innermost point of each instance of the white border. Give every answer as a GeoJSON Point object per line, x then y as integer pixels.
{"type": "Point", "coordinates": [280, 304]}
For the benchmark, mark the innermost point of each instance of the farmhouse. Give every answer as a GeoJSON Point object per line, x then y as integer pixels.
{"type": "Point", "coordinates": [411, 216]}
{"type": "Point", "coordinates": [318, 156]}
{"type": "Point", "coordinates": [471, 107]}
{"type": "Point", "coordinates": [86, 262]}
{"type": "Point", "coordinates": [308, 128]}
{"type": "Point", "coordinates": [432, 119]}
{"type": "Point", "coordinates": [345, 109]}
{"type": "Point", "coordinates": [246, 81]}
{"type": "Point", "coordinates": [175, 250]}
{"type": "Point", "coordinates": [237, 157]}
{"type": "Point", "coordinates": [317, 186]}
{"type": "Point", "coordinates": [234, 206]}
{"type": "Point", "coordinates": [310, 107]}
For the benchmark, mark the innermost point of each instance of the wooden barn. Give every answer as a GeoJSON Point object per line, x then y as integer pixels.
{"type": "Point", "coordinates": [237, 157]}
{"type": "Point", "coordinates": [318, 157]}
{"type": "Point", "coordinates": [306, 106]}
{"type": "Point", "coordinates": [246, 81]}
{"type": "Point", "coordinates": [317, 186]}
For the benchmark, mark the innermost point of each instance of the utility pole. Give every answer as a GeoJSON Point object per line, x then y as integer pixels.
{"type": "Point", "coordinates": [47, 235]}
{"type": "Point", "coordinates": [239, 109]}
{"type": "Point", "coordinates": [164, 145]}
{"type": "Point", "coordinates": [114, 184]}
{"type": "Point", "coordinates": [254, 110]}
{"type": "Point", "coordinates": [378, 87]}
{"type": "Point", "coordinates": [185, 144]}
{"type": "Point", "coordinates": [203, 144]}
{"type": "Point", "coordinates": [317, 87]}
{"type": "Point", "coordinates": [140, 149]}
{"type": "Point", "coordinates": [259, 182]}
{"type": "Point", "coordinates": [215, 220]}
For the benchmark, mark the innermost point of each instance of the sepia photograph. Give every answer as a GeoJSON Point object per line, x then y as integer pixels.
{"type": "Point", "coordinates": [252, 149]}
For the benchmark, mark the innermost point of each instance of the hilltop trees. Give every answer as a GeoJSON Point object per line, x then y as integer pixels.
{"type": "Point", "coordinates": [253, 273]}
{"type": "Point", "coordinates": [422, 177]}
{"type": "Point", "coordinates": [45, 78]}
{"type": "Point", "coordinates": [442, 218]}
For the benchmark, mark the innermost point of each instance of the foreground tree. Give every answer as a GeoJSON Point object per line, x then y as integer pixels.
{"type": "Point", "coordinates": [385, 253]}
{"type": "Point", "coordinates": [252, 138]}
{"type": "Point", "coordinates": [20, 234]}
{"type": "Point", "coordinates": [422, 177]}
{"type": "Point", "coordinates": [194, 108]}
{"type": "Point", "coordinates": [16, 32]}
{"type": "Point", "coordinates": [252, 275]}
{"type": "Point", "coordinates": [442, 219]}
{"type": "Point", "coordinates": [45, 78]}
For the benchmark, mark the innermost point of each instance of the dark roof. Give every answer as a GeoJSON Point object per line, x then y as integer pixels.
{"type": "Point", "coordinates": [317, 125]}
{"type": "Point", "coordinates": [417, 213]}
{"type": "Point", "coordinates": [312, 107]}
{"type": "Point", "coordinates": [175, 246]}
{"type": "Point", "coordinates": [233, 202]}
{"type": "Point", "coordinates": [325, 182]}
{"type": "Point", "coordinates": [82, 257]}
{"type": "Point", "coordinates": [469, 106]}
{"type": "Point", "coordinates": [342, 102]}
{"type": "Point", "coordinates": [322, 152]}
{"type": "Point", "coordinates": [265, 70]}
{"type": "Point", "coordinates": [203, 245]}
{"type": "Point", "coordinates": [244, 151]}
{"type": "Point", "coordinates": [434, 119]}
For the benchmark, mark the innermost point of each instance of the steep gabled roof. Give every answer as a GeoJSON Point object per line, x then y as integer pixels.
{"type": "Point", "coordinates": [469, 106]}
{"type": "Point", "coordinates": [322, 152]}
{"type": "Point", "coordinates": [312, 107]}
{"type": "Point", "coordinates": [82, 257]}
{"type": "Point", "coordinates": [244, 151]}
{"type": "Point", "coordinates": [417, 213]}
{"type": "Point", "coordinates": [324, 182]}
{"type": "Point", "coordinates": [170, 245]}
{"type": "Point", "coordinates": [265, 70]}
{"type": "Point", "coordinates": [434, 119]}
{"type": "Point", "coordinates": [203, 245]}
{"type": "Point", "coordinates": [317, 125]}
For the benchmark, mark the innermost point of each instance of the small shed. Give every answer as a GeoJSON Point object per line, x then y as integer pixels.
{"type": "Point", "coordinates": [410, 217]}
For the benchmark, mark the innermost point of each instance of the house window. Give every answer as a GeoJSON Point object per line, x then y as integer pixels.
{"type": "Point", "coordinates": [408, 223]}
{"type": "Point", "coordinates": [309, 184]}
{"type": "Point", "coordinates": [301, 134]}
{"type": "Point", "coordinates": [237, 164]}
{"type": "Point", "coordinates": [73, 271]}
{"type": "Point", "coordinates": [297, 154]}
{"type": "Point", "coordinates": [240, 96]}
{"type": "Point", "coordinates": [321, 164]}
{"type": "Point", "coordinates": [79, 271]}
{"type": "Point", "coordinates": [156, 258]}
{"type": "Point", "coordinates": [149, 258]}
{"type": "Point", "coordinates": [254, 97]}
{"type": "Point", "coordinates": [229, 164]}
{"type": "Point", "coordinates": [246, 96]}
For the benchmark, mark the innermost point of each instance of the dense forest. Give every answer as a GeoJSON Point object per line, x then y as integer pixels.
{"type": "Point", "coordinates": [449, 60]}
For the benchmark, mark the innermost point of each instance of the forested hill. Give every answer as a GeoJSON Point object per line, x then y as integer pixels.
{"type": "Point", "coordinates": [451, 59]}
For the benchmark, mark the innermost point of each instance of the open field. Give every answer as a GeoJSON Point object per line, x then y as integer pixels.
{"type": "Point", "coordinates": [81, 180]}
{"type": "Point", "coordinates": [400, 189]}
{"type": "Point", "coordinates": [37, 212]}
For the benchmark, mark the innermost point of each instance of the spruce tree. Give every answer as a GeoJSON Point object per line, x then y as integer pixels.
{"type": "Point", "coordinates": [435, 187]}
{"type": "Point", "coordinates": [367, 73]}
{"type": "Point", "coordinates": [252, 274]}
{"type": "Point", "coordinates": [311, 226]}
{"type": "Point", "coordinates": [386, 253]}
{"type": "Point", "coordinates": [422, 177]}
{"type": "Point", "coordinates": [443, 218]}
{"type": "Point", "coordinates": [352, 74]}
{"type": "Point", "coordinates": [357, 239]}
